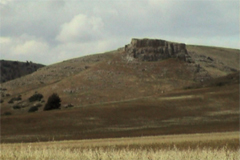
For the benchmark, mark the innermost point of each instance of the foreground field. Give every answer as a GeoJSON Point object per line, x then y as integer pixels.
{"type": "Point", "coordinates": [112, 154]}
{"type": "Point", "coordinates": [224, 146]}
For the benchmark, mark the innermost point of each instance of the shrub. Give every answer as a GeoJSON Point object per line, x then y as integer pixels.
{"type": "Point", "coordinates": [54, 102]}
{"type": "Point", "coordinates": [16, 107]}
{"type": "Point", "coordinates": [18, 98]}
{"type": "Point", "coordinates": [35, 97]}
{"type": "Point", "coordinates": [33, 109]}
{"type": "Point", "coordinates": [11, 101]}
{"type": "Point", "coordinates": [7, 113]}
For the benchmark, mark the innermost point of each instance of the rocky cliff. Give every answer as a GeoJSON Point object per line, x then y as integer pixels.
{"type": "Point", "coordinates": [155, 50]}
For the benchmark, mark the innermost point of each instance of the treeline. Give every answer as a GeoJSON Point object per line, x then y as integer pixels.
{"type": "Point", "coordinates": [10, 70]}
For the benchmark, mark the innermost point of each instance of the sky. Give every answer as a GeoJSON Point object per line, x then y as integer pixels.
{"type": "Point", "coordinates": [50, 31]}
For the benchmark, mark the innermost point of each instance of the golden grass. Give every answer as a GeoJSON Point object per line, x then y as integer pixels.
{"type": "Point", "coordinates": [219, 146]}
{"type": "Point", "coordinates": [30, 153]}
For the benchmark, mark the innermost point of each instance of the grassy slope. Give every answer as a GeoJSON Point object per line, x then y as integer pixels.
{"type": "Point", "coordinates": [97, 86]}
{"type": "Point", "coordinates": [222, 57]}
{"type": "Point", "coordinates": [104, 82]}
{"type": "Point", "coordinates": [228, 56]}
{"type": "Point", "coordinates": [189, 111]}
{"type": "Point", "coordinates": [109, 75]}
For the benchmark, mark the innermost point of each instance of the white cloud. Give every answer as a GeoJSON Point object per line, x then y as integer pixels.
{"type": "Point", "coordinates": [30, 47]}
{"type": "Point", "coordinates": [4, 2]}
{"type": "Point", "coordinates": [81, 28]}
{"type": "Point", "coordinates": [4, 40]}
{"type": "Point", "coordinates": [51, 31]}
{"type": "Point", "coordinates": [23, 48]}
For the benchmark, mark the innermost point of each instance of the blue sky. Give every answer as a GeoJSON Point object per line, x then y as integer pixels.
{"type": "Point", "coordinates": [50, 31]}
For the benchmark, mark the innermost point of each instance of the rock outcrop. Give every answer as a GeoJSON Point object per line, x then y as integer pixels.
{"type": "Point", "coordinates": [155, 50]}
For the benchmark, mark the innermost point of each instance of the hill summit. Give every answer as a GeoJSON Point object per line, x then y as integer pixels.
{"type": "Point", "coordinates": [156, 49]}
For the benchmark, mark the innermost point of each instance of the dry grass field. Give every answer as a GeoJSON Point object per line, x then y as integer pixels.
{"type": "Point", "coordinates": [210, 146]}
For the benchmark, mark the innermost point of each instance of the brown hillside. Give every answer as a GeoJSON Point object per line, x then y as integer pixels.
{"type": "Point", "coordinates": [214, 109]}
{"type": "Point", "coordinates": [217, 61]}
{"type": "Point", "coordinates": [112, 76]}
{"type": "Point", "coordinates": [166, 88]}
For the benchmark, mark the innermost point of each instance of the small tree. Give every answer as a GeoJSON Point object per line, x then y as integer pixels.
{"type": "Point", "coordinates": [54, 102]}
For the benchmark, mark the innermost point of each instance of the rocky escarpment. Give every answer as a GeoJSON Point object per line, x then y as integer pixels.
{"type": "Point", "coordinates": [155, 50]}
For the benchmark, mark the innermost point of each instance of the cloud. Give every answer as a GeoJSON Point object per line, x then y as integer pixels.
{"type": "Point", "coordinates": [4, 2]}
{"type": "Point", "coordinates": [23, 48]}
{"type": "Point", "coordinates": [81, 28]}
{"type": "Point", "coordinates": [30, 47]}
{"type": "Point", "coordinates": [52, 31]}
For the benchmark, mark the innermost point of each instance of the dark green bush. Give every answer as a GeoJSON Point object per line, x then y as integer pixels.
{"type": "Point", "coordinates": [33, 109]}
{"type": "Point", "coordinates": [7, 113]}
{"type": "Point", "coordinates": [54, 102]}
{"type": "Point", "coordinates": [35, 97]}
{"type": "Point", "coordinates": [18, 98]}
{"type": "Point", "coordinates": [11, 101]}
{"type": "Point", "coordinates": [16, 107]}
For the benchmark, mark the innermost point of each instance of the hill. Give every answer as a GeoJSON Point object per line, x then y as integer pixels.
{"type": "Point", "coordinates": [148, 87]}
{"type": "Point", "coordinates": [14, 69]}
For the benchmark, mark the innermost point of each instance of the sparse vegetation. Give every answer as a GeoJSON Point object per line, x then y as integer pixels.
{"type": "Point", "coordinates": [35, 97]}
{"type": "Point", "coordinates": [218, 82]}
{"type": "Point", "coordinates": [18, 98]}
{"type": "Point", "coordinates": [54, 102]}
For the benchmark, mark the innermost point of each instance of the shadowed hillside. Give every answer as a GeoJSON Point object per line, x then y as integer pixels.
{"type": "Point", "coordinates": [13, 69]}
